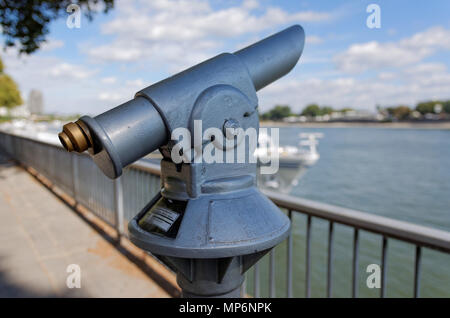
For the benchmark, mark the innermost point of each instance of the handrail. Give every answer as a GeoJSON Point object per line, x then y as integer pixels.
{"type": "Point", "coordinates": [147, 167]}
{"type": "Point", "coordinates": [406, 231]}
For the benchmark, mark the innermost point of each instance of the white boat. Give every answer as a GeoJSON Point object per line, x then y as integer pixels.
{"type": "Point", "coordinates": [293, 161]}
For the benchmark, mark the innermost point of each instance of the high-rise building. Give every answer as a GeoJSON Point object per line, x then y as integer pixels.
{"type": "Point", "coordinates": [35, 102]}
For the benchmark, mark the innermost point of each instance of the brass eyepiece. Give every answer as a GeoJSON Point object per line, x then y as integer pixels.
{"type": "Point", "coordinates": [75, 137]}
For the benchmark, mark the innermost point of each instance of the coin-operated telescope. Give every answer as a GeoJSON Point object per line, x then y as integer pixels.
{"type": "Point", "coordinates": [209, 223]}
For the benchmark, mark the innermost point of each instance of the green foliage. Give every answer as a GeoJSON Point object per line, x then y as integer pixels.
{"type": "Point", "coordinates": [25, 24]}
{"type": "Point", "coordinates": [399, 112]}
{"type": "Point", "coordinates": [446, 106]}
{"type": "Point", "coordinates": [314, 110]}
{"type": "Point", "coordinates": [9, 93]}
{"type": "Point", "coordinates": [277, 113]}
{"type": "Point", "coordinates": [311, 110]}
{"type": "Point", "coordinates": [426, 107]}
{"type": "Point", "coordinates": [4, 119]}
{"type": "Point", "coordinates": [326, 110]}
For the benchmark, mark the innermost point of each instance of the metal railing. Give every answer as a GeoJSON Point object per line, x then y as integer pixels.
{"type": "Point", "coordinates": [116, 202]}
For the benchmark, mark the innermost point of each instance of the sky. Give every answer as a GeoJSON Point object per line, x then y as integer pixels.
{"type": "Point", "coordinates": [102, 64]}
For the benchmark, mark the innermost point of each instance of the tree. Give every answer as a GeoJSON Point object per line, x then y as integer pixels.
{"type": "Point", "coordinates": [9, 93]}
{"type": "Point", "coordinates": [25, 24]}
{"type": "Point", "coordinates": [280, 112]}
{"type": "Point", "coordinates": [446, 106]}
{"type": "Point", "coordinates": [326, 110]}
{"type": "Point", "coordinates": [312, 110]}
{"type": "Point", "coordinates": [277, 113]}
{"type": "Point", "coordinates": [399, 112]}
{"type": "Point", "coordinates": [426, 107]}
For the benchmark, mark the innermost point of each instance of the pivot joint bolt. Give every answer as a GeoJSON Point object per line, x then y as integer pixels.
{"type": "Point", "coordinates": [230, 124]}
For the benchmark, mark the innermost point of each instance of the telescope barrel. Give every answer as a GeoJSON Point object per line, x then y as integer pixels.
{"type": "Point", "coordinates": [273, 57]}
{"type": "Point", "coordinates": [135, 128]}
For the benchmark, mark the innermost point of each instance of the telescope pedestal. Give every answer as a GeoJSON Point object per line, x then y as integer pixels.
{"type": "Point", "coordinates": [211, 240]}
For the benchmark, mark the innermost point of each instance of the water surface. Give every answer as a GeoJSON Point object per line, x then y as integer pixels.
{"type": "Point", "coordinates": [398, 173]}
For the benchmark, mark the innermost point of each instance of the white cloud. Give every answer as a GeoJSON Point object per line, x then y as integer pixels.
{"type": "Point", "coordinates": [428, 76]}
{"type": "Point", "coordinates": [374, 55]}
{"type": "Point", "coordinates": [66, 70]}
{"type": "Point", "coordinates": [137, 83]}
{"type": "Point", "coordinates": [120, 92]}
{"type": "Point", "coordinates": [250, 4]}
{"type": "Point", "coordinates": [51, 44]}
{"type": "Point", "coordinates": [113, 97]}
{"type": "Point", "coordinates": [433, 38]}
{"type": "Point", "coordinates": [313, 39]}
{"type": "Point", "coordinates": [109, 80]}
{"type": "Point", "coordinates": [425, 69]}
{"type": "Point", "coordinates": [184, 32]}
{"type": "Point", "coordinates": [66, 87]}
{"type": "Point", "coordinates": [386, 75]}
{"type": "Point", "coordinates": [407, 86]}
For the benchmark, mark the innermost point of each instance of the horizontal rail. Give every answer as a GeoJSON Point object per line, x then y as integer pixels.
{"type": "Point", "coordinates": [405, 231]}
{"type": "Point", "coordinates": [147, 167]}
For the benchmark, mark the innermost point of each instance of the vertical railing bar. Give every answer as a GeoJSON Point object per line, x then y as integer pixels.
{"type": "Point", "coordinates": [330, 260]}
{"type": "Point", "coordinates": [355, 263]}
{"type": "Point", "coordinates": [417, 264]}
{"type": "Point", "coordinates": [244, 287]}
{"type": "Point", "coordinates": [75, 176]}
{"type": "Point", "coordinates": [272, 274]}
{"type": "Point", "coordinates": [308, 257]}
{"type": "Point", "coordinates": [289, 259]}
{"type": "Point", "coordinates": [383, 267]}
{"type": "Point", "coordinates": [256, 281]}
{"type": "Point", "coordinates": [118, 205]}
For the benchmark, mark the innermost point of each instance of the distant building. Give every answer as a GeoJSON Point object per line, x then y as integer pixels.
{"type": "Point", "coordinates": [35, 102]}
{"type": "Point", "coordinates": [438, 108]}
{"type": "Point", "coordinates": [295, 119]}
{"type": "Point", "coordinates": [356, 115]}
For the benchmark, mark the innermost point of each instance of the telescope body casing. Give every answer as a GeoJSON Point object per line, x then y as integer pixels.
{"type": "Point", "coordinates": [210, 223]}
{"type": "Point", "coordinates": [129, 131]}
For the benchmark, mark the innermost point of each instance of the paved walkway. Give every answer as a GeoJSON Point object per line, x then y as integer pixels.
{"type": "Point", "coordinates": [40, 237]}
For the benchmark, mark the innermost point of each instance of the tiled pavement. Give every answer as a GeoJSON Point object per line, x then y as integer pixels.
{"type": "Point", "coordinates": [40, 237]}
